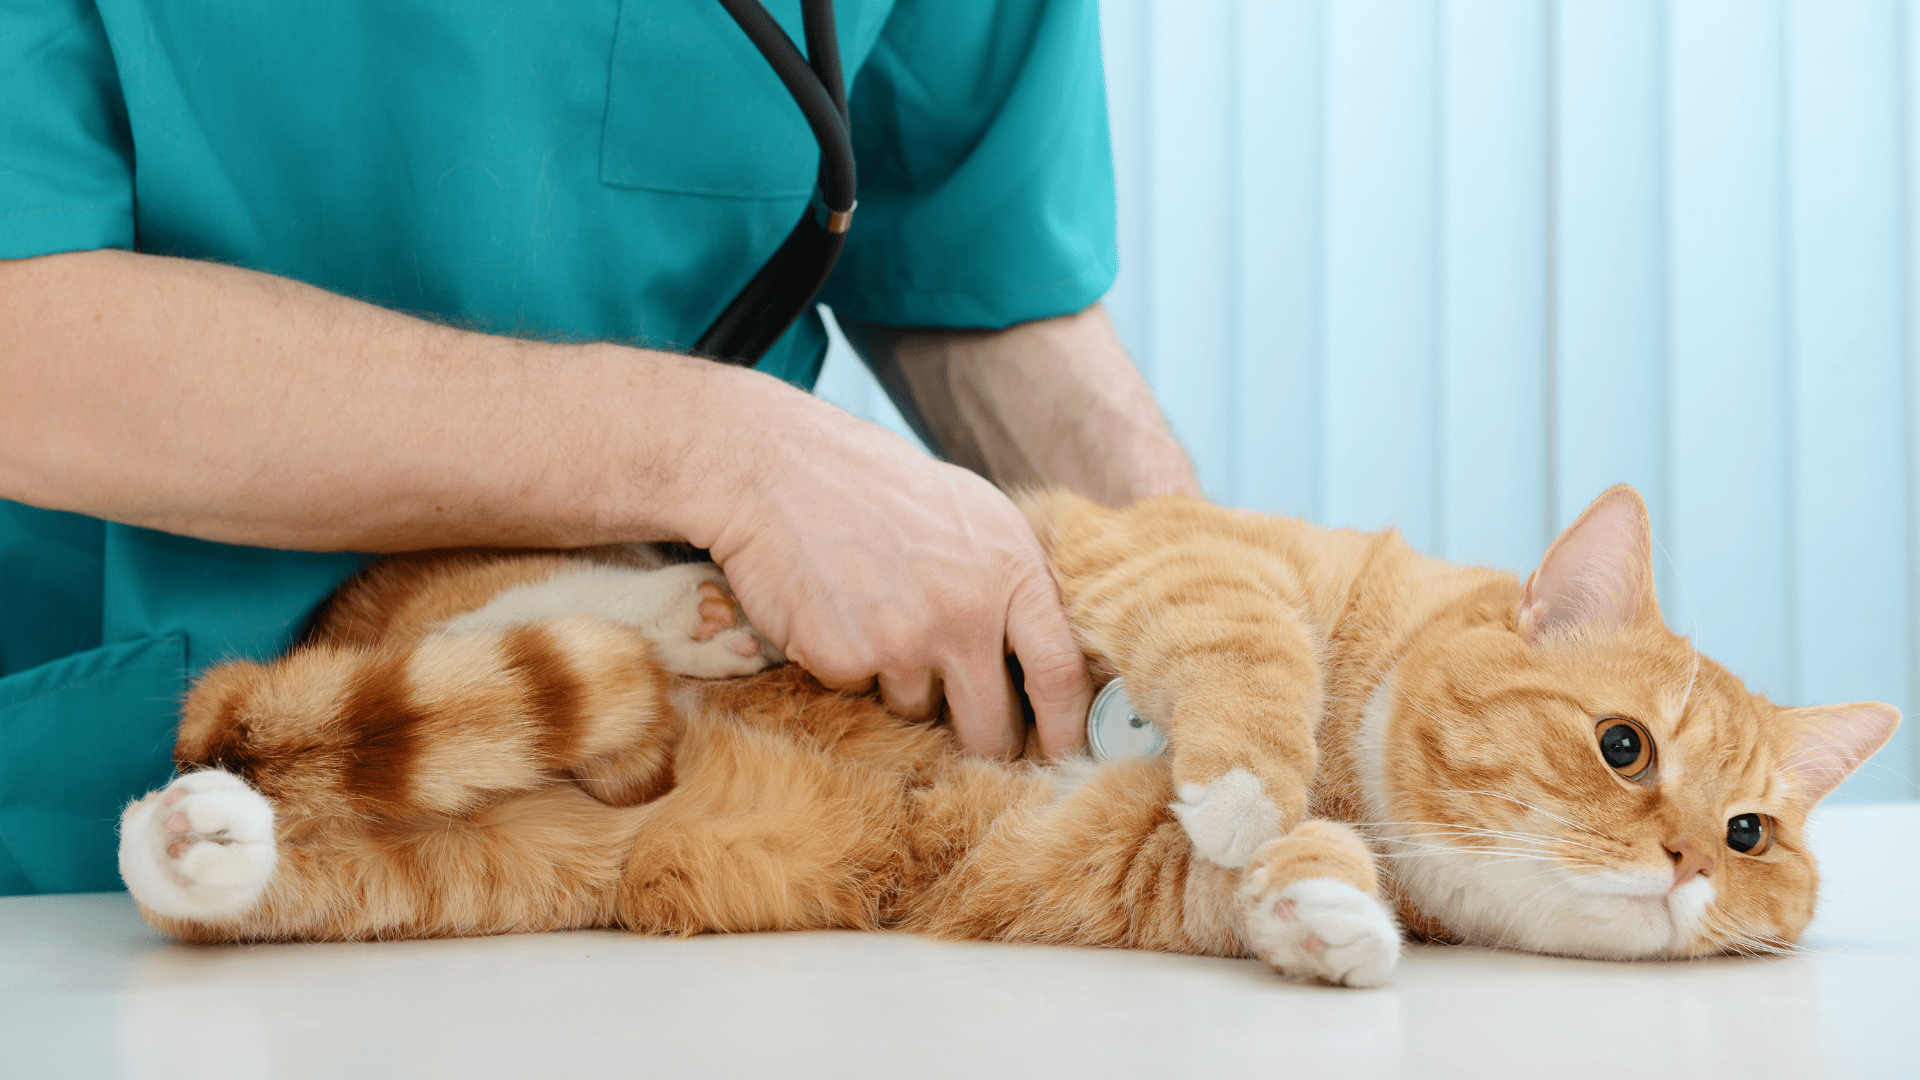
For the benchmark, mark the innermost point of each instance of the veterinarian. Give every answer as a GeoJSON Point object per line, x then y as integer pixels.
{"type": "Point", "coordinates": [288, 283]}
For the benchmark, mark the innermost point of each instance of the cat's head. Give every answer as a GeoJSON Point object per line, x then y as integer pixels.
{"type": "Point", "coordinates": [1570, 776]}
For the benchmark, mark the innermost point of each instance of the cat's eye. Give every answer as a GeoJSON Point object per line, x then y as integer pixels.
{"type": "Point", "coordinates": [1625, 745]}
{"type": "Point", "coordinates": [1749, 833]}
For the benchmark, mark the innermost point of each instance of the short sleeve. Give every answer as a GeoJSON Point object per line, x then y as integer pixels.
{"type": "Point", "coordinates": [986, 173]}
{"type": "Point", "coordinates": [66, 158]}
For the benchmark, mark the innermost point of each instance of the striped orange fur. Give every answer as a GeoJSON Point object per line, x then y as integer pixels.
{"type": "Point", "coordinates": [1350, 725]}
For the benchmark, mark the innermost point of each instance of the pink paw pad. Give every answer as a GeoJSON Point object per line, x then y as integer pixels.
{"type": "Point", "coordinates": [1283, 909]}
{"type": "Point", "coordinates": [1312, 944]}
{"type": "Point", "coordinates": [716, 612]}
{"type": "Point", "coordinates": [177, 824]}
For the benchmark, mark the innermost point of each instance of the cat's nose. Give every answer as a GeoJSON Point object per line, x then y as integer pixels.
{"type": "Point", "coordinates": [1688, 858]}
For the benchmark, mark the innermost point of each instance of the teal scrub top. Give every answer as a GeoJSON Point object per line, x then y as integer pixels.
{"type": "Point", "coordinates": [612, 170]}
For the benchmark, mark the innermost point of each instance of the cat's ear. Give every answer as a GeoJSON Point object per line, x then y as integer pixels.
{"type": "Point", "coordinates": [1831, 741]}
{"type": "Point", "coordinates": [1597, 578]}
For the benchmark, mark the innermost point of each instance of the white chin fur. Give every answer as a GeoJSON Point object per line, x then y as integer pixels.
{"type": "Point", "coordinates": [1544, 907]}
{"type": "Point", "coordinates": [1525, 903]}
{"type": "Point", "coordinates": [1688, 906]}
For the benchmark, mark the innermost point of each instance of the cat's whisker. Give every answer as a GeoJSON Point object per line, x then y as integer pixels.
{"type": "Point", "coordinates": [1757, 948]}
{"type": "Point", "coordinates": [1744, 937]}
{"type": "Point", "coordinates": [1808, 756]}
{"type": "Point", "coordinates": [1451, 849]}
{"type": "Point", "coordinates": [1870, 765]}
{"type": "Point", "coordinates": [1529, 806]}
{"type": "Point", "coordinates": [1474, 830]}
{"type": "Point", "coordinates": [1503, 834]}
{"type": "Point", "coordinates": [1425, 850]}
{"type": "Point", "coordinates": [1449, 825]}
{"type": "Point", "coordinates": [1441, 841]}
{"type": "Point", "coordinates": [1471, 834]}
{"type": "Point", "coordinates": [1451, 834]}
{"type": "Point", "coordinates": [1693, 676]}
{"type": "Point", "coordinates": [1491, 856]}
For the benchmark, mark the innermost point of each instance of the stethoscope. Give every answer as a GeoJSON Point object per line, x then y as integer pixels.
{"type": "Point", "coordinates": [788, 282]}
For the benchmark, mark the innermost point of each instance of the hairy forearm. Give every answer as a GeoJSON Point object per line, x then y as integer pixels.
{"type": "Point", "coordinates": [1054, 402]}
{"type": "Point", "coordinates": [232, 405]}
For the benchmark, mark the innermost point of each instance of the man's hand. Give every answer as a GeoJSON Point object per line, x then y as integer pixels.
{"type": "Point", "coordinates": [865, 560]}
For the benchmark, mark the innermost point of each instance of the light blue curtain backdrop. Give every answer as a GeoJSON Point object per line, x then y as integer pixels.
{"type": "Point", "coordinates": [1456, 266]}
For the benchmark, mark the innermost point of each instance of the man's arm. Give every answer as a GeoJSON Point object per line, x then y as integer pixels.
{"type": "Point", "coordinates": [237, 406]}
{"type": "Point", "coordinates": [231, 405]}
{"type": "Point", "coordinates": [1054, 402]}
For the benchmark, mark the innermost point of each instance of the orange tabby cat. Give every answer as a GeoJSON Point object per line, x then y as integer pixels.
{"type": "Point", "coordinates": [486, 743]}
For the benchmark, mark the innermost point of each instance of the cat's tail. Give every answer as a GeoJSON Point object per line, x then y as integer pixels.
{"type": "Point", "coordinates": [442, 724]}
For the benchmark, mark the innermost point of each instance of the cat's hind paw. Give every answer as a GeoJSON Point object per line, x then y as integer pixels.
{"type": "Point", "coordinates": [704, 634]}
{"type": "Point", "coordinates": [201, 847]}
{"type": "Point", "coordinates": [1321, 928]}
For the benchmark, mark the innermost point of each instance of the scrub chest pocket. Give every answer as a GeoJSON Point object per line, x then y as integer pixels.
{"type": "Point", "coordinates": [693, 109]}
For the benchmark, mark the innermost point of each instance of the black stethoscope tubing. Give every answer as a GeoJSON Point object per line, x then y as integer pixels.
{"type": "Point", "coordinates": [783, 288]}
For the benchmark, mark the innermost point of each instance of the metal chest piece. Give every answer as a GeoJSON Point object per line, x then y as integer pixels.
{"type": "Point", "coordinates": [1115, 732]}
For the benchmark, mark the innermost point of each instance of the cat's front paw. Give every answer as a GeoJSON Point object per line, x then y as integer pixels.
{"type": "Point", "coordinates": [702, 632]}
{"type": "Point", "coordinates": [1228, 819]}
{"type": "Point", "coordinates": [1321, 928]}
{"type": "Point", "coordinates": [201, 847]}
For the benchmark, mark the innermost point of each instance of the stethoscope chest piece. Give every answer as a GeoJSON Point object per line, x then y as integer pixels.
{"type": "Point", "coordinates": [1116, 732]}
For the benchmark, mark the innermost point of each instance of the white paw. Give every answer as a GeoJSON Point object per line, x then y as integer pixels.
{"type": "Point", "coordinates": [200, 847]}
{"type": "Point", "coordinates": [1321, 928]}
{"type": "Point", "coordinates": [1228, 819]}
{"type": "Point", "coordinates": [700, 630]}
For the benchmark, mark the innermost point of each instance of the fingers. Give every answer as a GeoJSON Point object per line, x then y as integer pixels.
{"type": "Point", "coordinates": [982, 704]}
{"type": "Point", "coordinates": [832, 680]}
{"type": "Point", "coordinates": [986, 716]}
{"type": "Point", "coordinates": [856, 687]}
{"type": "Point", "coordinates": [910, 695]}
{"type": "Point", "coordinates": [1056, 671]}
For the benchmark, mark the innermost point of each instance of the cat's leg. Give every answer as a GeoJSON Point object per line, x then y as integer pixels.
{"type": "Point", "coordinates": [543, 860]}
{"type": "Point", "coordinates": [1234, 678]}
{"type": "Point", "coordinates": [1310, 906]}
{"type": "Point", "coordinates": [330, 735]}
{"type": "Point", "coordinates": [686, 610]}
{"type": "Point", "coordinates": [1100, 860]}
{"type": "Point", "coordinates": [765, 832]}
{"type": "Point", "coordinates": [1207, 635]}
{"type": "Point", "coordinates": [1090, 856]}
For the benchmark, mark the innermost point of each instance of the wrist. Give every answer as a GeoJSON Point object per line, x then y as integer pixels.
{"type": "Point", "coordinates": [689, 468]}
